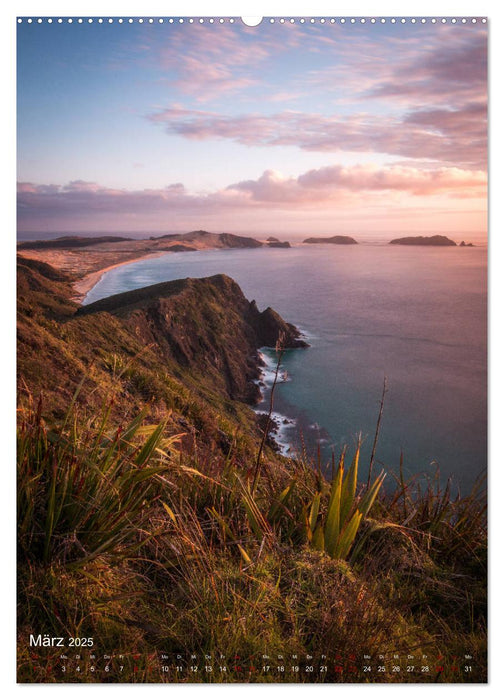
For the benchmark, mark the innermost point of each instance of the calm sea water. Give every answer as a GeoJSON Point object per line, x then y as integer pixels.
{"type": "Point", "coordinates": [416, 315]}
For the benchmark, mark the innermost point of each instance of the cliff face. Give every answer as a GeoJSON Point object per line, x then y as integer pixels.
{"type": "Point", "coordinates": [206, 325]}
{"type": "Point", "coordinates": [187, 349]}
{"type": "Point", "coordinates": [269, 327]}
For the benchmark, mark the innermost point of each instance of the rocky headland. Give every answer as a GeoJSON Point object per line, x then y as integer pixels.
{"type": "Point", "coordinates": [204, 324]}
{"type": "Point", "coordinates": [189, 347]}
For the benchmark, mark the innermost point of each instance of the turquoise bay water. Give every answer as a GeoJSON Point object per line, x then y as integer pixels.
{"type": "Point", "coordinates": [416, 315]}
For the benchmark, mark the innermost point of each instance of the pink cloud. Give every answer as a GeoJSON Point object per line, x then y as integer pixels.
{"type": "Point", "coordinates": [325, 184]}
{"type": "Point", "coordinates": [83, 187]}
{"type": "Point", "coordinates": [29, 187]}
{"type": "Point", "coordinates": [450, 72]}
{"type": "Point", "coordinates": [443, 66]}
{"type": "Point", "coordinates": [455, 137]}
{"type": "Point", "coordinates": [209, 61]}
{"type": "Point", "coordinates": [315, 188]}
{"type": "Point", "coordinates": [389, 87]}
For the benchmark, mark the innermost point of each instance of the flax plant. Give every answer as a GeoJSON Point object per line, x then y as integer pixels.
{"type": "Point", "coordinates": [82, 490]}
{"type": "Point", "coordinates": [334, 531]}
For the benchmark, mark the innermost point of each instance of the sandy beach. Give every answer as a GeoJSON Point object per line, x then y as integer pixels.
{"type": "Point", "coordinates": [87, 264]}
{"type": "Point", "coordinates": [86, 283]}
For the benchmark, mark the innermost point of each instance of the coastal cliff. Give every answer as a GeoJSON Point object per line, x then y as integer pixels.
{"type": "Point", "coordinates": [188, 346]}
{"type": "Point", "coordinates": [206, 325]}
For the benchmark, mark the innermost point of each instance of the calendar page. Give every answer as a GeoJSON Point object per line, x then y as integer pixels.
{"type": "Point", "coordinates": [252, 349]}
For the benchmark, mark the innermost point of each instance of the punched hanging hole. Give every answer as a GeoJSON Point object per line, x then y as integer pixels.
{"type": "Point", "coordinates": [252, 21]}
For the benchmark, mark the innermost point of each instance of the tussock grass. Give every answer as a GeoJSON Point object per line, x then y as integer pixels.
{"type": "Point", "coordinates": [127, 538]}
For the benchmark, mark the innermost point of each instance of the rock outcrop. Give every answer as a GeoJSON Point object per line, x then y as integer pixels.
{"type": "Point", "coordinates": [206, 325]}
{"type": "Point", "coordinates": [279, 244]}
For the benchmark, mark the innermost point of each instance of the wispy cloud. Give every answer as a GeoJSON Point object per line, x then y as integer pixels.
{"type": "Point", "coordinates": [410, 66]}
{"type": "Point", "coordinates": [419, 93]}
{"type": "Point", "coordinates": [208, 61]}
{"type": "Point", "coordinates": [456, 137]}
{"type": "Point", "coordinates": [449, 70]}
{"type": "Point", "coordinates": [439, 66]}
{"type": "Point", "coordinates": [237, 102]}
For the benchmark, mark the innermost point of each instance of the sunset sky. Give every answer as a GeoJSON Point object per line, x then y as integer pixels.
{"type": "Point", "coordinates": [283, 128]}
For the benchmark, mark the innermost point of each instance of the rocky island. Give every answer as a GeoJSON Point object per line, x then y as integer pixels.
{"type": "Point", "coordinates": [424, 240]}
{"type": "Point", "coordinates": [273, 242]}
{"type": "Point", "coordinates": [279, 244]}
{"type": "Point", "coordinates": [335, 240]}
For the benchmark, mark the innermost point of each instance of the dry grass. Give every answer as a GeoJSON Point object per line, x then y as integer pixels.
{"type": "Point", "coordinates": [123, 539]}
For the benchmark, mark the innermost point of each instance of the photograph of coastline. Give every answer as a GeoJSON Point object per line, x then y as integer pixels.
{"type": "Point", "coordinates": [252, 350]}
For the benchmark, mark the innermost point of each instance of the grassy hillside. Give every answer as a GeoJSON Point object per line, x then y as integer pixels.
{"type": "Point", "coordinates": [150, 519]}
{"type": "Point", "coordinates": [187, 349]}
{"type": "Point", "coordinates": [70, 242]}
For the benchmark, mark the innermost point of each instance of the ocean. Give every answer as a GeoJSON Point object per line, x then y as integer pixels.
{"type": "Point", "coordinates": [415, 315]}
